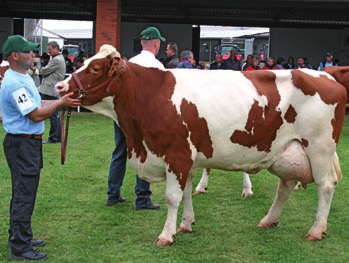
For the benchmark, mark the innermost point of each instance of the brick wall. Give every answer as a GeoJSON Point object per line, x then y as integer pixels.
{"type": "Point", "coordinates": [108, 23]}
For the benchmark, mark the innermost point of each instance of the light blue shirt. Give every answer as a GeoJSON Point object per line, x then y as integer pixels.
{"type": "Point", "coordinates": [18, 97]}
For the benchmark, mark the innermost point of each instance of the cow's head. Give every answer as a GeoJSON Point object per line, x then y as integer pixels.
{"type": "Point", "coordinates": [94, 80]}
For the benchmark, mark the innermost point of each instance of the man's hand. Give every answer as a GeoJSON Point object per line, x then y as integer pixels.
{"type": "Point", "coordinates": [70, 102]}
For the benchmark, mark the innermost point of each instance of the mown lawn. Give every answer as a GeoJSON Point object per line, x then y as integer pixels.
{"type": "Point", "coordinates": [71, 215]}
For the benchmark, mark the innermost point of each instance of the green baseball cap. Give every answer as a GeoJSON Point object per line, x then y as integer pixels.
{"type": "Point", "coordinates": [151, 33]}
{"type": "Point", "coordinates": [17, 43]}
{"type": "Point", "coordinates": [329, 54]}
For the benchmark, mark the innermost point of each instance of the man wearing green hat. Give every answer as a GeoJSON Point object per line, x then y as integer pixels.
{"type": "Point", "coordinates": [328, 62]}
{"type": "Point", "coordinates": [150, 41]}
{"type": "Point", "coordinates": [23, 119]}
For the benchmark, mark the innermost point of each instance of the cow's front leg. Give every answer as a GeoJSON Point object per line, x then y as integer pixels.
{"type": "Point", "coordinates": [174, 196]}
{"type": "Point", "coordinates": [284, 190]}
{"type": "Point", "coordinates": [188, 211]}
{"type": "Point", "coordinates": [202, 186]}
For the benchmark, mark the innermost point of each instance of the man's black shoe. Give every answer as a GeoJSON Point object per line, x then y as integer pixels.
{"type": "Point", "coordinates": [29, 255]}
{"type": "Point", "coordinates": [120, 200]}
{"type": "Point", "coordinates": [35, 243]}
{"type": "Point", "coordinates": [149, 207]}
{"type": "Point", "coordinates": [48, 141]}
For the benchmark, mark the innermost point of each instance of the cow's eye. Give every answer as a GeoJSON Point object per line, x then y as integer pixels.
{"type": "Point", "coordinates": [95, 69]}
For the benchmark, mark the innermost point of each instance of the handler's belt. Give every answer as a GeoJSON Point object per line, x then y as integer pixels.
{"type": "Point", "coordinates": [32, 136]}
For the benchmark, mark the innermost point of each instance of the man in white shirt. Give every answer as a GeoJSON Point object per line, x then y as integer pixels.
{"type": "Point", "coordinates": [150, 41]}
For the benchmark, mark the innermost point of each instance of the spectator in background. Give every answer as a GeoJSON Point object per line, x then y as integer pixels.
{"type": "Point", "coordinates": [45, 58]}
{"type": "Point", "coordinates": [187, 59]}
{"type": "Point", "coordinates": [300, 63]}
{"type": "Point", "coordinates": [81, 56]}
{"type": "Point", "coordinates": [329, 61]}
{"type": "Point", "coordinates": [280, 62]}
{"type": "Point", "coordinates": [307, 64]}
{"type": "Point", "coordinates": [33, 71]}
{"type": "Point", "coordinates": [218, 64]}
{"type": "Point", "coordinates": [248, 62]}
{"type": "Point", "coordinates": [233, 62]}
{"type": "Point", "coordinates": [290, 63]}
{"type": "Point", "coordinates": [69, 66]}
{"type": "Point", "coordinates": [79, 63]}
{"type": "Point", "coordinates": [271, 64]}
{"type": "Point", "coordinates": [200, 65]}
{"type": "Point", "coordinates": [172, 59]}
{"type": "Point", "coordinates": [54, 72]}
{"type": "Point", "coordinates": [254, 66]}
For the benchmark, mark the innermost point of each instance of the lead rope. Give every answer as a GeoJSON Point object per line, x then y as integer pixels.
{"type": "Point", "coordinates": [64, 139]}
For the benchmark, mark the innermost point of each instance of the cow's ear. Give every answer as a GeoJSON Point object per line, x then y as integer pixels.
{"type": "Point", "coordinates": [114, 65]}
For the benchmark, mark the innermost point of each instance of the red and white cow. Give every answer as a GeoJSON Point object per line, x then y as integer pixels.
{"type": "Point", "coordinates": [177, 121]}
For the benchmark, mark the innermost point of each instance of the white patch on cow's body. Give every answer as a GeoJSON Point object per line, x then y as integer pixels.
{"type": "Point", "coordinates": [105, 107]}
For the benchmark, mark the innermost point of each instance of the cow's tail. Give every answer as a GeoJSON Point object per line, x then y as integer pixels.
{"type": "Point", "coordinates": [337, 168]}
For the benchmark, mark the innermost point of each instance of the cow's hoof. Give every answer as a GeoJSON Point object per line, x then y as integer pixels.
{"type": "Point", "coordinates": [184, 230]}
{"type": "Point", "coordinates": [198, 192]}
{"type": "Point", "coordinates": [311, 237]}
{"type": "Point", "coordinates": [161, 242]}
{"type": "Point", "coordinates": [269, 225]}
{"type": "Point", "coordinates": [246, 194]}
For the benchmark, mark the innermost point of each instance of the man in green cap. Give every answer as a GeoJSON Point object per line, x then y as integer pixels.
{"type": "Point", "coordinates": [150, 41]}
{"type": "Point", "coordinates": [328, 62]}
{"type": "Point", "coordinates": [23, 119]}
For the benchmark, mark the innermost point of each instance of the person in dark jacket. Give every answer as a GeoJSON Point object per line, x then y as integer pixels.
{"type": "Point", "coordinates": [290, 63]}
{"type": "Point", "coordinates": [248, 63]}
{"type": "Point", "coordinates": [232, 62]}
{"type": "Point", "coordinates": [172, 59]}
{"type": "Point", "coordinates": [218, 64]}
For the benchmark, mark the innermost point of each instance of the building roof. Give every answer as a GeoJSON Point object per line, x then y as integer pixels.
{"type": "Point", "coordinates": [262, 13]}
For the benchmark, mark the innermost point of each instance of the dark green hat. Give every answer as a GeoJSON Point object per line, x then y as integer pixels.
{"type": "Point", "coordinates": [329, 54]}
{"type": "Point", "coordinates": [17, 43]}
{"type": "Point", "coordinates": [151, 33]}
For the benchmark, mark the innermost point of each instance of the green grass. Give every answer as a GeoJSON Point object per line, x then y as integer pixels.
{"type": "Point", "coordinates": [71, 216]}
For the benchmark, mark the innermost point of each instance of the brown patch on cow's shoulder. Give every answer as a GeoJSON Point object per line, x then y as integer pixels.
{"type": "Point", "coordinates": [199, 134]}
{"type": "Point", "coordinates": [330, 92]}
{"type": "Point", "coordinates": [148, 117]}
{"type": "Point", "coordinates": [291, 114]}
{"type": "Point", "coordinates": [263, 122]}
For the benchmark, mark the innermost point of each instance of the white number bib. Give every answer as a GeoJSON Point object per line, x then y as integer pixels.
{"type": "Point", "coordinates": [22, 99]}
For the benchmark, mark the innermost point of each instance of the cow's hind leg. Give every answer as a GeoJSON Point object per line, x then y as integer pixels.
{"type": "Point", "coordinates": [247, 185]}
{"type": "Point", "coordinates": [202, 186]}
{"type": "Point", "coordinates": [283, 192]}
{"type": "Point", "coordinates": [326, 184]}
{"type": "Point", "coordinates": [174, 196]}
{"type": "Point", "coordinates": [188, 211]}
